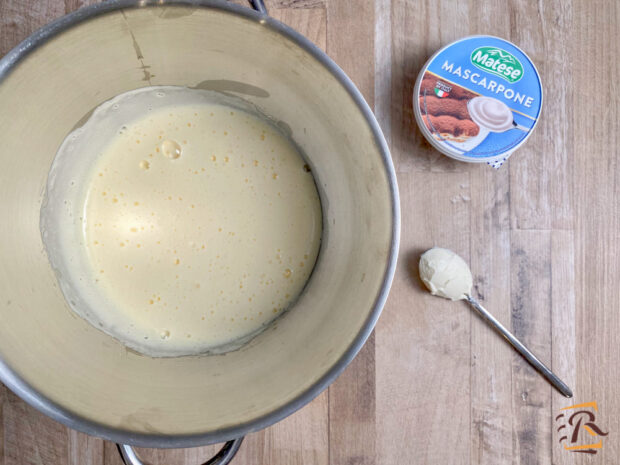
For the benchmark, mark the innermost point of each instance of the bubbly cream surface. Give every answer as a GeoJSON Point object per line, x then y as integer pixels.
{"type": "Point", "coordinates": [201, 223]}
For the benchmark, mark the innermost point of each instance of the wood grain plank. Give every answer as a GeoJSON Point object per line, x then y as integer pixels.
{"type": "Point", "coordinates": [254, 450]}
{"type": "Point", "coordinates": [31, 438]}
{"type": "Point", "coordinates": [4, 393]}
{"type": "Point", "coordinates": [542, 168]}
{"type": "Point", "coordinates": [111, 455]}
{"type": "Point", "coordinates": [298, 4]}
{"type": "Point", "coordinates": [597, 198]}
{"type": "Point", "coordinates": [598, 239]}
{"type": "Point", "coordinates": [491, 372]}
{"type": "Point", "coordinates": [352, 27]}
{"type": "Point", "coordinates": [352, 397]}
{"type": "Point", "coordinates": [491, 380]}
{"type": "Point", "coordinates": [352, 410]}
{"type": "Point", "coordinates": [302, 438]}
{"type": "Point", "coordinates": [310, 22]}
{"type": "Point", "coordinates": [564, 360]}
{"type": "Point", "coordinates": [594, 25]}
{"type": "Point", "coordinates": [273, 6]}
{"type": "Point", "coordinates": [596, 139]}
{"type": "Point", "coordinates": [383, 67]}
{"type": "Point", "coordinates": [84, 449]}
{"type": "Point", "coordinates": [72, 5]}
{"type": "Point", "coordinates": [422, 342]}
{"type": "Point", "coordinates": [531, 323]}
{"type": "Point", "coordinates": [419, 29]}
{"type": "Point", "coordinates": [19, 19]}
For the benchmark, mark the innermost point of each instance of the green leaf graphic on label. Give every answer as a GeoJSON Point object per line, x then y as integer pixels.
{"type": "Point", "coordinates": [497, 61]}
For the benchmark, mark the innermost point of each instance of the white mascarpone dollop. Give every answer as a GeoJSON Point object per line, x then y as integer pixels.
{"type": "Point", "coordinates": [445, 274]}
{"type": "Point", "coordinates": [490, 113]}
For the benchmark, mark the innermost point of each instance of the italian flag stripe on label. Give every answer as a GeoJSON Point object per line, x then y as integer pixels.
{"type": "Point", "coordinates": [440, 93]}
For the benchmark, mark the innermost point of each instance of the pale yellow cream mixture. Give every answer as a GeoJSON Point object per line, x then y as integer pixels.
{"type": "Point", "coordinates": [201, 224]}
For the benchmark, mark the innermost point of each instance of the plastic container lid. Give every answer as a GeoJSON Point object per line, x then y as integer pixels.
{"type": "Point", "coordinates": [478, 99]}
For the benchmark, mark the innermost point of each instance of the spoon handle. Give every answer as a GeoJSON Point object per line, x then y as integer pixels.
{"type": "Point", "coordinates": [529, 356]}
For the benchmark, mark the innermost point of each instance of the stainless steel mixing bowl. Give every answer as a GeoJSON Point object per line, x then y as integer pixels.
{"type": "Point", "coordinates": [85, 379]}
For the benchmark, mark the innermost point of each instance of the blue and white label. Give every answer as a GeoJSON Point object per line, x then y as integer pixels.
{"type": "Point", "coordinates": [479, 98]}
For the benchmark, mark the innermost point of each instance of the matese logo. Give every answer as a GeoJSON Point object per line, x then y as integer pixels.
{"type": "Point", "coordinates": [497, 61]}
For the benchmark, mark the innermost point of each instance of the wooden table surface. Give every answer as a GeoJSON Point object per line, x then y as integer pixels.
{"type": "Point", "coordinates": [434, 385]}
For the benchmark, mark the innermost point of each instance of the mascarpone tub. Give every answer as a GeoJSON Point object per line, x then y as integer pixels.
{"type": "Point", "coordinates": [478, 99]}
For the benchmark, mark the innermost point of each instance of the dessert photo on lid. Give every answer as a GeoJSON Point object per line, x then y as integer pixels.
{"type": "Point", "coordinates": [444, 110]}
{"type": "Point", "coordinates": [460, 117]}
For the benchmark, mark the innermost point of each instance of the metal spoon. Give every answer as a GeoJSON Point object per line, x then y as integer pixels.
{"type": "Point", "coordinates": [447, 275]}
{"type": "Point", "coordinates": [518, 345]}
